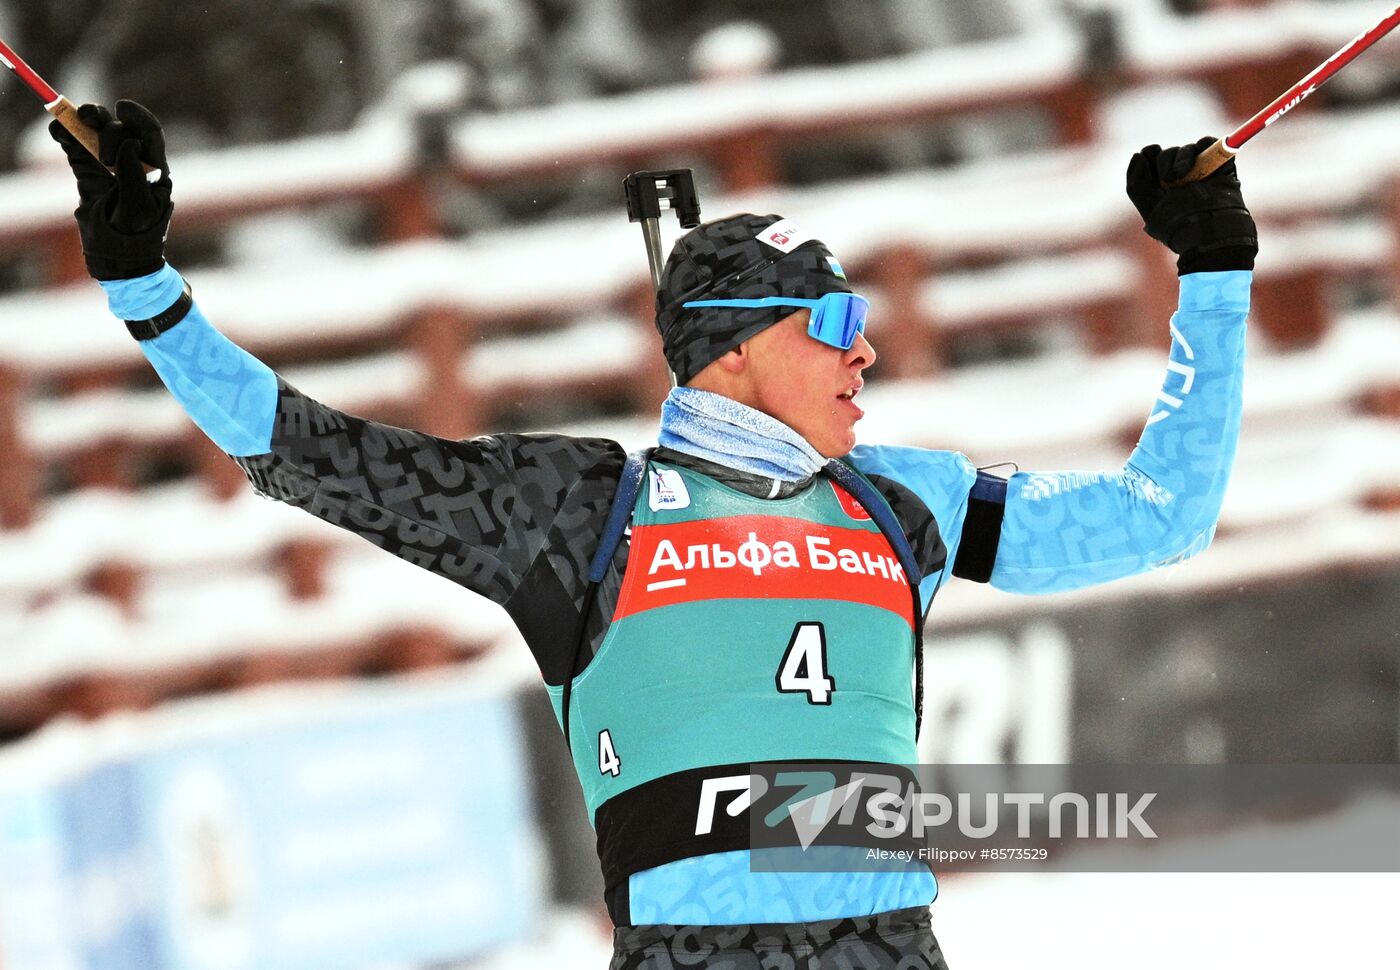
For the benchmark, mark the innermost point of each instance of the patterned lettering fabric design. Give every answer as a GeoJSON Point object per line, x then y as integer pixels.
{"type": "Point", "coordinates": [703, 265]}
{"type": "Point", "coordinates": [898, 940]}
{"type": "Point", "coordinates": [515, 518]}
{"type": "Point", "coordinates": [1066, 530]}
{"type": "Point", "coordinates": [227, 391]}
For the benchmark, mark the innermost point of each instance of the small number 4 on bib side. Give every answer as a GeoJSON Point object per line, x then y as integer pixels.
{"type": "Point", "coordinates": [608, 761]}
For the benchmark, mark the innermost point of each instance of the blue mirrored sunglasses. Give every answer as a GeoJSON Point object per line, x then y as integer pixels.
{"type": "Point", "coordinates": [836, 317]}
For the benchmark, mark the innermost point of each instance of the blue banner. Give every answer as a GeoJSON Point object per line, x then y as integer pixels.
{"type": "Point", "coordinates": [384, 825]}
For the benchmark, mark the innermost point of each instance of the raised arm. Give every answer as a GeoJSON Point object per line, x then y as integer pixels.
{"type": "Point", "coordinates": [477, 512]}
{"type": "Point", "coordinates": [499, 514]}
{"type": "Point", "coordinates": [1044, 532]}
{"type": "Point", "coordinates": [1066, 530]}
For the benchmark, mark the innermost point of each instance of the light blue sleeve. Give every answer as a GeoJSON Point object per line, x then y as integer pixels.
{"type": "Point", "coordinates": [230, 394]}
{"type": "Point", "coordinates": [1066, 530]}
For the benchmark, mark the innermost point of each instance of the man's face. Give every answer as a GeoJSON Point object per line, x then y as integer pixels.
{"type": "Point", "coordinates": [806, 384]}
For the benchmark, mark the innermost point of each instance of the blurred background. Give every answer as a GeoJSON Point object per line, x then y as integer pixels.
{"type": "Point", "coordinates": [232, 737]}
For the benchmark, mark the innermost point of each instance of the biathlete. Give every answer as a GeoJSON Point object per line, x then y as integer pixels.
{"type": "Point", "coordinates": [767, 603]}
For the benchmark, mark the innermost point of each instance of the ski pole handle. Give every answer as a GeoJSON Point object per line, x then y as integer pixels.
{"type": "Point", "coordinates": [54, 103]}
{"type": "Point", "coordinates": [67, 114]}
{"type": "Point", "coordinates": [1224, 150]}
{"type": "Point", "coordinates": [1206, 163]}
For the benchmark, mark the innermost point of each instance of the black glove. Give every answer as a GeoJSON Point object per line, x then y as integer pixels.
{"type": "Point", "coordinates": [122, 218]}
{"type": "Point", "coordinates": [1205, 223]}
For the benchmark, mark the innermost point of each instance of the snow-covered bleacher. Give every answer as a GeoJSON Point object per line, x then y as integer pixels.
{"type": "Point", "coordinates": [766, 115]}
{"type": "Point", "coordinates": [740, 125]}
{"type": "Point", "coordinates": [109, 588]}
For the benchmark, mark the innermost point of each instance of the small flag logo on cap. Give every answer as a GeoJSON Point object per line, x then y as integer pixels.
{"type": "Point", "coordinates": [836, 267]}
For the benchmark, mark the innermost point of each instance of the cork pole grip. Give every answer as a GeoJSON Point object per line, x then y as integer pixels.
{"type": "Point", "coordinates": [1206, 164]}
{"type": "Point", "coordinates": [67, 114]}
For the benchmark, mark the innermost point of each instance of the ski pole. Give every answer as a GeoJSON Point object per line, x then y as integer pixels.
{"type": "Point", "coordinates": [1225, 148]}
{"type": "Point", "coordinates": [56, 104]}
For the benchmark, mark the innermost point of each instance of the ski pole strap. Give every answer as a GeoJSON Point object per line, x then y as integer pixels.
{"type": "Point", "coordinates": [628, 485]}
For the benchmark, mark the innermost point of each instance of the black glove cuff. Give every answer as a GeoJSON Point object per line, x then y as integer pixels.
{"type": "Point", "coordinates": [1217, 260]}
{"type": "Point", "coordinates": [109, 268]}
{"type": "Point", "coordinates": [1217, 239]}
{"type": "Point", "coordinates": [161, 322]}
{"type": "Point", "coordinates": [1212, 229]}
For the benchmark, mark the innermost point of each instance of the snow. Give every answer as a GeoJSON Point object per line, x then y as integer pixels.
{"type": "Point", "coordinates": [983, 411]}
{"type": "Point", "coordinates": [64, 748]}
{"type": "Point", "coordinates": [735, 49]}
{"type": "Point", "coordinates": [67, 636]}
{"type": "Point", "coordinates": [1157, 921]}
{"type": "Point", "coordinates": [1319, 162]}
{"type": "Point", "coordinates": [349, 294]}
{"type": "Point", "coordinates": [431, 86]}
{"type": "Point", "coordinates": [1329, 539]}
{"type": "Point", "coordinates": [959, 78]}
{"type": "Point", "coordinates": [262, 241]}
{"type": "Point", "coordinates": [211, 615]}
{"type": "Point", "coordinates": [379, 152]}
{"type": "Point", "coordinates": [1017, 205]}
{"type": "Point", "coordinates": [1360, 351]}
{"type": "Point", "coordinates": [1281, 480]}
{"type": "Point", "coordinates": [1032, 287]}
{"type": "Point", "coordinates": [173, 525]}
{"type": "Point", "coordinates": [1326, 244]}
{"type": "Point", "coordinates": [357, 161]}
{"type": "Point", "coordinates": [58, 425]}
{"type": "Point", "coordinates": [78, 421]}
{"type": "Point", "coordinates": [593, 348]}
{"type": "Point", "coordinates": [1157, 42]}
{"type": "Point", "coordinates": [1162, 114]}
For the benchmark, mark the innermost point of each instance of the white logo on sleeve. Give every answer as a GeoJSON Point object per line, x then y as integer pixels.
{"type": "Point", "coordinates": [783, 235]}
{"type": "Point", "coordinates": [668, 490]}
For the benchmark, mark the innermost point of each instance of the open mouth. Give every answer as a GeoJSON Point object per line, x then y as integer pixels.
{"type": "Point", "coordinates": [849, 393]}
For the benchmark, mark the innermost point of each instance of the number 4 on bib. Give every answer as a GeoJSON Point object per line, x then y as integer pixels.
{"type": "Point", "coordinates": [608, 761]}
{"type": "Point", "coordinates": [803, 670]}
